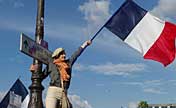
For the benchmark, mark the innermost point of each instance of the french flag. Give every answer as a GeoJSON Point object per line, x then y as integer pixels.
{"type": "Point", "coordinates": [149, 35]}
{"type": "Point", "coordinates": [16, 97]}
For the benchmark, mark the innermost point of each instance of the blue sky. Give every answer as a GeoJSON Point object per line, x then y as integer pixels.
{"type": "Point", "coordinates": [109, 74]}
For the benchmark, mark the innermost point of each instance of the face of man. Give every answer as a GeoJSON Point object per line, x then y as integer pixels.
{"type": "Point", "coordinates": [62, 56]}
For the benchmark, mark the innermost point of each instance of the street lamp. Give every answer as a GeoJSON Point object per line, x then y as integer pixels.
{"type": "Point", "coordinates": [36, 87]}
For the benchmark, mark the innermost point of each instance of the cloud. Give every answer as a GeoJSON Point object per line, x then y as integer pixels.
{"type": "Point", "coordinates": [77, 102]}
{"type": "Point", "coordinates": [112, 69]}
{"type": "Point", "coordinates": [165, 9]}
{"type": "Point", "coordinates": [153, 82]}
{"type": "Point", "coordinates": [132, 104]}
{"type": "Point", "coordinates": [153, 86]}
{"type": "Point", "coordinates": [154, 91]}
{"type": "Point", "coordinates": [133, 83]}
{"type": "Point", "coordinates": [95, 11]}
{"type": "Point", "coordinates": [95, 14]}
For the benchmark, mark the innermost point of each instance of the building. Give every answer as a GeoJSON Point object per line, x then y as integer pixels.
{"type": "Point", "coordinates": [162, 105]}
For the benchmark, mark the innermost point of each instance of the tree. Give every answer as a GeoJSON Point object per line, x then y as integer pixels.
{"type": "Point", "coordinates": [143, 104]}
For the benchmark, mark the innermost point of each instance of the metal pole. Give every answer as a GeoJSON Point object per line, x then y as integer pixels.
{"type": "Point", "coordinates": [36, 87]}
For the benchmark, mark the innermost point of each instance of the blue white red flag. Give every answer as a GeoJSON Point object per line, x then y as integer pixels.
{"type": "Point", "coordinates": [149, 35]}
{"type": "Point", "coordinates": [15, 96]}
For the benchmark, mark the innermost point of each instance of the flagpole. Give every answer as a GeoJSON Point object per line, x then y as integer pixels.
{"type": "Point", "coordinates": [107, 22]}
{"type": "Point", "coordinates": [97, 32]}
{"type": "Point", "coordinates": [99, 29]}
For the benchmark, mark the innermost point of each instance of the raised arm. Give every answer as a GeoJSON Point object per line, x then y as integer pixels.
{"type": "Point", "coordinates": [79, 51]}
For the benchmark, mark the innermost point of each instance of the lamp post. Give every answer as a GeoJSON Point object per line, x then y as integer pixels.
{"type": "Point", "coordinates": [36, 87]}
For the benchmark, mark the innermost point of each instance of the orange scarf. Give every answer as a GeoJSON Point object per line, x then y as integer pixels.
{"type": "Point", "coordinates": [63, 67]}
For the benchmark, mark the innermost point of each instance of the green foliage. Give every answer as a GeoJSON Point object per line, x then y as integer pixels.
{"type": "Point", "coordinates": [143, 104]}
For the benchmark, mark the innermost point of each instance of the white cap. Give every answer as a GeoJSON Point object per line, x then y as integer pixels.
{"type": "Point", "coordinates": [57, 51]}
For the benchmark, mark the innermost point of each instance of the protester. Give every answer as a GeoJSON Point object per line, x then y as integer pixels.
{"type": "Point", "coordinates": [60, 70]}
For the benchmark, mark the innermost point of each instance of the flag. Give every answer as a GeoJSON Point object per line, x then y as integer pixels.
{"type": "Point", "coordinates": [151, 36]}
{"type": "Point", "coordinates": [15, 96]}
